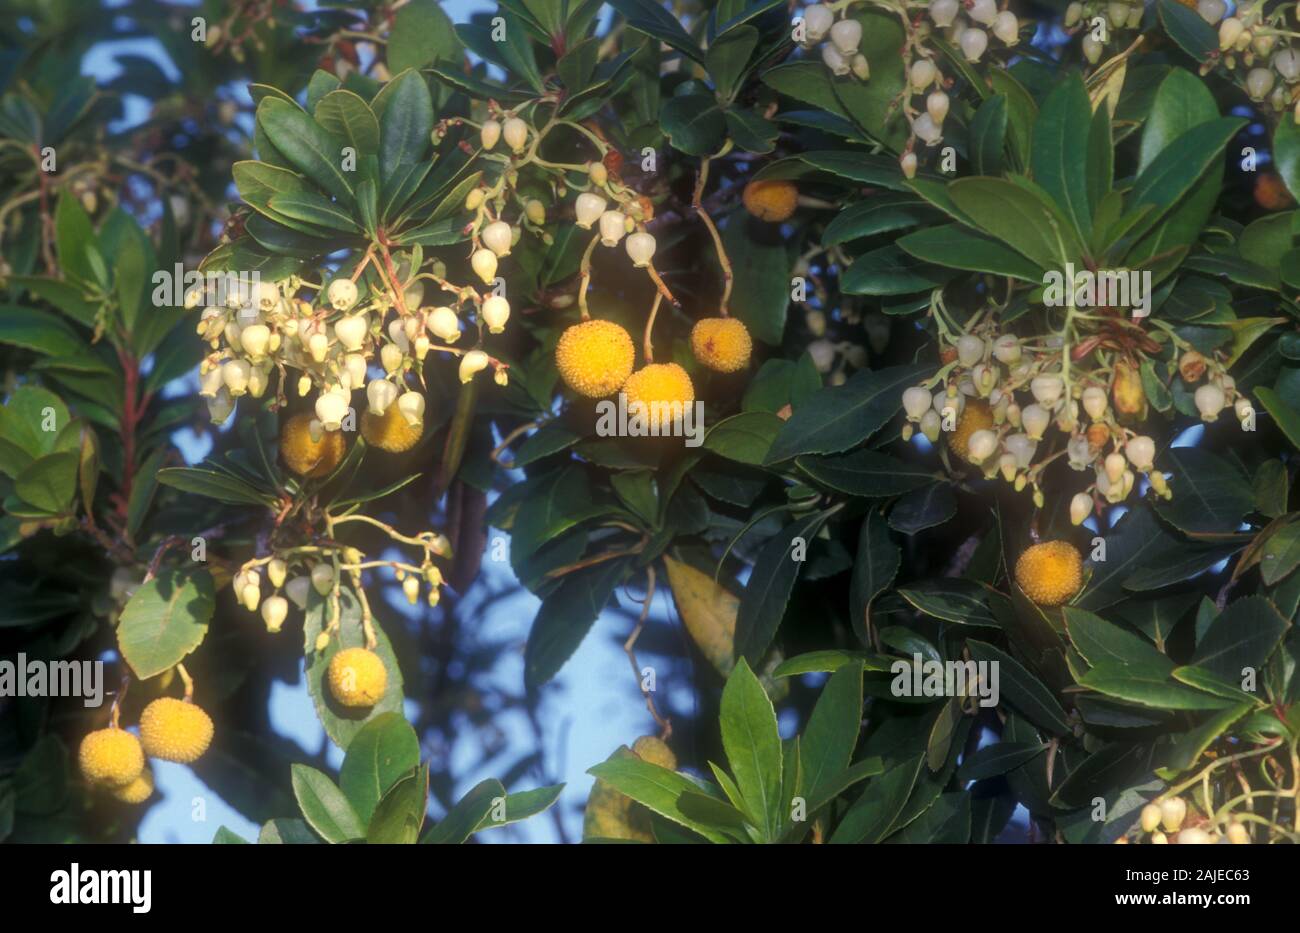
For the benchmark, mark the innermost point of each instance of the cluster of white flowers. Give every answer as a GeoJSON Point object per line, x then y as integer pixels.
{"type": "Point", "coordinates": [965, 25]}
{"type": "Point", "coordinates": [1000, 396]}
{"type": "Point", "coordinates": [1114, 16]}
{"type": "Point", "coordinates": [1260, 42]}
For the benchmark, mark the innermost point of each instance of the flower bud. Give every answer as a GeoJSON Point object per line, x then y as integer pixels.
{"type": "Point", "coordinates": [535, 211]}
{"type": "Point", "coordinates": [411, 407]}
{"type": "Point", "coordinates": [589, 208]}
{"type": "Point", "coordinates": [235, 375]}
{"type": "Point", "coordinates": [391, 357]}
{"type": "Point", "coordinates": [304, 386]}
{"type": "Point", "coordinates": [471, 363]}
{"type": "Point", "coordinates": [1211, 10]}
{"type": "Point", "coordinates": [351, 331]}
{"type": "Point", "coordinates": [926, 130]}
{"type": "Point", "coordinates": [379, 395]}
{"type": "Point", "coordinates": [834, 59]}
{"type": "Point", "coordinates": [322, 578]}
{"type": "Point", "coordinates": [1238, 834]}
{"type": "Point", "coordinates": [474, 200]}
{"type": "Point", "coordinates": [297, 590]}
{"type": "Point", "coordinates": [1141, 452]}
{"type": "Point", "coordinates": [982, 445]}
{"type": "Point", "coordinates": [1243, 408]}
{"type": "Point", "coordinates": [1007, 28]}
{"type": "Point", "coordinates": [489, 134]}
{"type": "Point", "coordinates": [1209, 401]}
{"type": "Point", "coordinates": [1035, 419]}
{"type": "Point", "coordinates": [970, 349]}
{"type": "Point", "coordinates": [1229, 30]}
{"type": "Point", "coordinates": [1022, 447]}
{"type": "Point", "coordinates": [931, 426]}
{"type": "Point", "coordinates": [1173, 810]}
{"type": "Point", "coordinates": [498, 236]}
{"type": "Point", "coordinates": [484, 264]}
{"type": "Point", "coordinates": [817, 21]}
{"type": "Point", "coordinates": [496, 311]}
{"type": "Point", "coordinates": [641, 247]}
{"type": "Point", "coordinates": [342, 294]}
{"type": "Point", "coordinates": [860, 67]}
{"type": "Point", "coordinates": [331, 409]}
{"type": "Point", "coordinates": [908, 161]}
{"type": "Point", "coordinates": [1259, 81]}
{"type": "Point", "coordinates": [943, 12]}
{"type": "Point", "coordinates": [1194, 836]}
{"type": "Point", "coordinates": [1080, 508]}
{"type": "Point", "coordinates": [1092, 49]}
{"type": "Point", "coordinates": [274, 610]}
{"type": "Point", "coordinates": [974, 41]}
{"type": "Point", "coordinates": [1287, 63]}
{"type": "Point", "coordinates": [1115, 465]}
{"type": "Point", "coordinates": [220, 406]}
{"type": "Point", "coordinates": [983, 11]}
{"type": "Point", "coordinates": [1094, 402]}
{"type": "Point", "coordinates": [515, 132]}
{"type": "Point", "coordinates": [613, 225]}
{"type": "Point", "coordinates": [1073, 14]}
{"type": "Point", "coordinates": [922, 74]}
{"type": "Point", "coordinates": [445, 324]}
{"type": "Point", "coordinates": [211, 382]}
{"type": "Point", "coordinates": [1047, 389]}
{"type": "Point", "coordinates": [847, 36]}
{"type": "Point", "coordinates": [598, 174]}
{"type": "Point", "coordinates": [916, 402]}
{"type": "Point", "coordinates": [936, 105]}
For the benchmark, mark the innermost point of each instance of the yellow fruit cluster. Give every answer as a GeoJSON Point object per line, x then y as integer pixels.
{"type": "Point", "coordinates": [357, 677]}
{"type": "Point", "coordinates": [722, 344]}
{"type": "Point", "coordinates": [170, 730]}
{"type": "Point", "coordinates": [773, 200]}
{"type": "Point", "coordinates": [1050, 573]}
{"type": "Point", "coordinates": [306, 455]}
{"type": "Point", "coordinates": [390, 431]}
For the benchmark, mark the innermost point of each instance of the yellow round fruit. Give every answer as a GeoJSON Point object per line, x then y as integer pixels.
{"type": "Point", "coordinates": [390, 431]}
{"type": "Point", "coordinates": [721, 343]}
{"type": "Point", "coordinates": [357, 677]}
{"type": "Point", "coordinates": [111, 756]}
{"type": "Point", "coordinates": [175, 730]}
{"type": "Point", "coordinates": [654, 750]}
{"type": "Point", "coordinates": [976, 416]}
{"type": "Point", "coordinates": [661, 391]}
{"type": "Point", "coordinates": [773, 200]}
{"type": "Point", "coordinates": [595, 357]}
{"type": "Point", "coordinates": [308, 457]}
{"type": "Point", "coordinates": [1050, 573]}
{"type": "Point", "coordinates": [138, 791]}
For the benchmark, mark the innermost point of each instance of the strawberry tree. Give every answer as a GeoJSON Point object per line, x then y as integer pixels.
{"type": "Point", "coordinates": [932, 364]}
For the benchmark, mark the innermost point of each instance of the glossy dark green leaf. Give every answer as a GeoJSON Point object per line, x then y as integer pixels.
{"type": "Point", "coordinates": [1059, 164]}
{"type": "Point", "coordinates": [1022, 689]}
{"type": "Point", "coordinates": [324, 806]}
{"type": "Point", "coordinates": [566, 617]}
{"type": "Point", "coordinates": [763, 602]}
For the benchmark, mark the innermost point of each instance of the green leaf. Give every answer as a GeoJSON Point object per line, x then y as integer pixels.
{"type": "Point", "coordinates": [998, 758]}
{"type": "Point", "coordinates": [694, 123]}
{"type": "Point", "coordinates": [657, 789]}
{"type": "Point", "coordinates": [566, 617]}
{"type": "Point", "coordinates": [74, 238]}
{"type": "Point", "coordinates": [1147, 687]}
{"type": "Point", "coordinates": [1135, 541]}
{"type": "Point", "coordinates": [762, 604]}
{"type": "Point", "coordinates": [1191, 745]}
{"type": "Point", "coordinates": [1286, 416]}
{"type": "Point", "coordinates": [649, 17]}
{"type": "Point", "coordinates": [745, 437]}
{"type": "Point", "coordinates": [405, 124]}
{"type": "Point", "coordinates": [959, 247]}
{"type": "Point", "coordinates": [876, 810]}
{"type": "Point", "coordinates": [344, 114]}
{"type": "Point", "coordinates": [880, 214]}
{"type": "Point", "coordinates": [923, 508]}
{"type": "Point", "coordinates": [286, 832]}
{"type": "Point", "coordinates": [324, 806]}
{"type": "Point", "coordinates": [1211, 495]}
{"type": "Point", "coordinates": [761, 265]}
{"type": "Point", "coordinates": [888, 271]}
{"type": "Point", "coordinates": [1059, 164]}
{"type": "Point", "coordinates": [1182, 102]}
{"type": "Point", "coordinates": [165, 620]}
{"type": "Point", "coordinates": [827, 742]}
{"type": "Point", "coordinates": [310, 149]}
{"type": "Point", "coordinates": [874, 568]}
{"type": "Point", "coordinates": [1103, 643]}
{"type": "Point", "coordinates": [1187, 28]}
{"type": "Point", "coordinates": [399, 815]}
{"type": "Point", "coordinates": [467, 815]}
{"type": "Point", "coordinates": [1281, 554]}
{"type": "Point", "coordinates": [1286, 154]}
{"type": "Point", "coordinates": [753, 746]}
{"type": "Point", "coordinates": [1242, 637]}
{"type": "Point", "coordinates": [961, 602]}
{"type": "Point", "coordinates": [214, 485]}
{"type": "Point", "coordinates": [837, 418]}
{"type": "Point", "coordinates": [49, 482]}
{"type": "Point", "coordinates": [1022, 689]}
{"type": "Point", "coordinates": [45, 333]}
{"type": "Point", "coordinates": [727, 58]}
{"type": "Point", "coordinates": [1178, 167]}
{"type": "Point", "coordinates": [385, 749]}
{"type": "Point", "coordinates": [1020, 216]}
{"type": "Point", "coordinates": [522, 805]}
{"type": "Point", "coordinates": [988, 135]}
{"type": "Point", "coordinates": [422, 33]}
{"type": "Point", "coordinates": [866, 472]}
{"type": "Point", "coordinates": [227, 837]}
